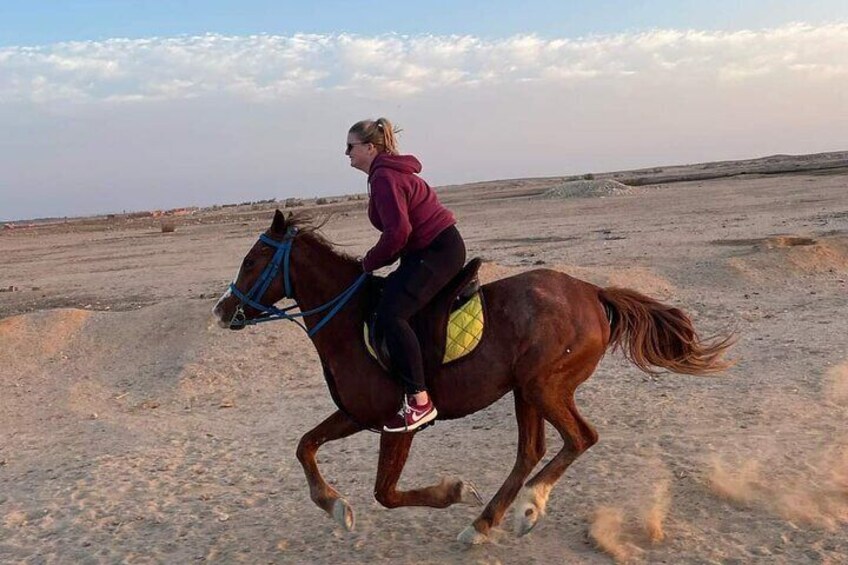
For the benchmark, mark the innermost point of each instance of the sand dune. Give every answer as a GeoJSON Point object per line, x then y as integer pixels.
{"type": "Point", "coordinates": [778, 257]}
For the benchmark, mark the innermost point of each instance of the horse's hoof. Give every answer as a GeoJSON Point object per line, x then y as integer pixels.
{"type": "Point", "coordinates": [468, 495]}
{"type": "Point", "coordinates": [526, 521]}
{"type": "Point", "coordinates": [470, 536]}
{"type": "Point", "coordinates": [343, 514]}
{"type": "Point", "coordinates": [530, 507]}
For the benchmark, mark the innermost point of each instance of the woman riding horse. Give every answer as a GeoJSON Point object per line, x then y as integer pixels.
{"type": "Point", "coordinates": [548, 332]}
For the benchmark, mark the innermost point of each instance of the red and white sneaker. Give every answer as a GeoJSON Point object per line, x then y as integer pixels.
{"type": "Point", "coordinates": [411, 416]}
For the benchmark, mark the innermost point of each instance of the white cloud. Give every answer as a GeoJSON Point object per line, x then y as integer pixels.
{"type": "Point", "coordinates": [394, 66]}
{"type": "Point", "coordinates": [96, 126]}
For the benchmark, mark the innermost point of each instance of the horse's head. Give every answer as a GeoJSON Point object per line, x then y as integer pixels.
{"type": "Point", "coordinates": [262, 278]}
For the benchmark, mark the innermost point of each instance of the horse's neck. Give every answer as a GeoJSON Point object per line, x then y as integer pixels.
{"type": "Point", "coordinates": [323, 277]}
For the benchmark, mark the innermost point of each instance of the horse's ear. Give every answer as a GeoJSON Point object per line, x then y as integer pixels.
{"type": "Point", "coordinates": [279, 223]}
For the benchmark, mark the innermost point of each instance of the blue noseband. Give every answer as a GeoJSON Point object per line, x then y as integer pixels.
{"type": "Point", "coordinates": [281, 260]}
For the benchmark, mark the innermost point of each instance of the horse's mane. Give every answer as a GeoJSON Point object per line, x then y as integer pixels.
{"type": "Point", "coordinates": [310, 226]}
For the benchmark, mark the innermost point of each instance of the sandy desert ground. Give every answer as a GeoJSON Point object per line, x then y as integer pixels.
{"type": "Point", "coordinates": [134, 430]}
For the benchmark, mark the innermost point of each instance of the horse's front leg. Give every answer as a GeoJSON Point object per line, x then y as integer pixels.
{"type": "Point", "coordinates": [394, 450]}
{"type": "Point", "coordinates": [335, 427]}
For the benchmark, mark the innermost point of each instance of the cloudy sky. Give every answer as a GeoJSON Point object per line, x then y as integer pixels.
{"type": "Point", "coordinates": [108, 106]}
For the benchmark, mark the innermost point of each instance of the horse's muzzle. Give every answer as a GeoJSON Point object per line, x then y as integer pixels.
{"type": "Point", "coordinates": [234, 322]}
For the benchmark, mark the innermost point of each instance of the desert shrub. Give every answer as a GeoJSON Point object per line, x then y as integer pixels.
{"type": "Point", "coordinates": [588, 176]}
{"type": "Point", "coordinates": [168, 226]}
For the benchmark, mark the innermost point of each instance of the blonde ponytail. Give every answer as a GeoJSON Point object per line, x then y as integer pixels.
{"type": "Point", "coordinates": [379, 132]}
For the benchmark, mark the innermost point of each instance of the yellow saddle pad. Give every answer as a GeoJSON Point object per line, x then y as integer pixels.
{"type": "Point", "coordinates": [465, 330]}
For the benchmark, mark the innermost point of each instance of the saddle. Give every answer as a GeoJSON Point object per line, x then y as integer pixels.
{"type": "Point", "coordinates": [449, 327]}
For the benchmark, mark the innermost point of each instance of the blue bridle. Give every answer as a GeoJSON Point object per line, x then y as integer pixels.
{"type": "Point", "coordinates": [281, 259]}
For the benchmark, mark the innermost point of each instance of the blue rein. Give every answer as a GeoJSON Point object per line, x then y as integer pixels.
{"type": "Point", "coordinates": [281, 258]}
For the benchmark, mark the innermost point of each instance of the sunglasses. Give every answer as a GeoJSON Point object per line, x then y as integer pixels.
{"type": "Point", "coordinates": [350, 145]}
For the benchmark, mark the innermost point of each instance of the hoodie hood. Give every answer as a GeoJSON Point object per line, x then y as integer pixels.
{"type": "Point", "coordinates": [401, 163]}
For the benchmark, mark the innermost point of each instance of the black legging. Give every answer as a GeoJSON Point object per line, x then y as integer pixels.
{"type": "Point", "coordinates": [420, 276]}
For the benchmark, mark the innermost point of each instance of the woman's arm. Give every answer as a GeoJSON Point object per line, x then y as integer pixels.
{"type": "Point", "coordinates": [390, 204]}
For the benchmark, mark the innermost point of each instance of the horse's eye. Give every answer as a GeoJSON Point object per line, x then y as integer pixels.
{"type": "Point", "coordinates": [248, 263]}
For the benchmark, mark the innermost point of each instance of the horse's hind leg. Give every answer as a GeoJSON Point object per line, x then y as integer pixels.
{"type": "Point", "coordinates": [531, 449]}
{"type": "Point", "coordinates": [394, 450]}
{"type": "Point", "coordinates": [577, 435]}
{"type": "Point", "coordinates": [335, 427]}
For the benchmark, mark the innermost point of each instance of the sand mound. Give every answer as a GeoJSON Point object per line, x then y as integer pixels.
{"type": "Point", "coordinates": [781, 241]}
{"type": "Point", "coordinates": [491, 271]}
{"type": "Point", "coordinates": [27, 339]}
{"type": "Point", "coordinates": [788, 256]}
{"type": "Point", "coordinates": [115, 365]}
{"type": "Point", "coordinates": [587, 189]}
{"type": "Point", "coordinates": [642, 279]}
{"type": "Point", "coordinates": [820, 257]}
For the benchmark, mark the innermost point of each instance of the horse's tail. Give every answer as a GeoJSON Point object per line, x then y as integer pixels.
{"type": "Point", "coordinates": [652, 334]}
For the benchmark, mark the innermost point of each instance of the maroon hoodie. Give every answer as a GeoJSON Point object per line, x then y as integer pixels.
{"type": "Point", "coordinates": [402, 206]}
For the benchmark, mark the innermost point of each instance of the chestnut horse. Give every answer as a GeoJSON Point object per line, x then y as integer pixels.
{"type": "Point", "coordinates": [545, 334]}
